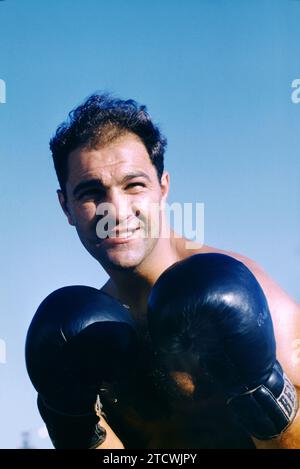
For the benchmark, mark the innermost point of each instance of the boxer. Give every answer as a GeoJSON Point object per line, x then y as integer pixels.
{"type": "Point", "coordinates": [110, 152]}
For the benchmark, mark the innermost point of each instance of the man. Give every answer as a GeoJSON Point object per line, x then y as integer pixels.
{"type": "Point", "coordinates": [110, 152]}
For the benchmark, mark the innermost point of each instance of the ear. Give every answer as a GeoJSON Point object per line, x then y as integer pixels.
{"type": "Point", "coordinates": [64, 206]}
{"type": "Point", "coordinates": [165, 186]}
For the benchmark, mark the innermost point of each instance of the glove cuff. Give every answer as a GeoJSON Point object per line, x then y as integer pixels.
{"type": "Point", "coordinates": [266, 411]}
{"type": "Point", "coordinates": [69, 431]}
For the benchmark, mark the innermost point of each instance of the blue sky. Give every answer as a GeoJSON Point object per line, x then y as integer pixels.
{"type": "Point", "coordinates": [216, 75]}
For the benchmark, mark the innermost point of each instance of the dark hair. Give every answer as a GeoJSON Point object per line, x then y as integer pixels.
{"type": "Point", "coordinates": [99, 120]}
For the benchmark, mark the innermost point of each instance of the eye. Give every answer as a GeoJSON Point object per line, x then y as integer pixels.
{"type": "Point", "coordinates": [132, 185]}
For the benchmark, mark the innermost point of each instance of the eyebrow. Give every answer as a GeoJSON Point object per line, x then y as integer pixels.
{"type": "Point", "coordinates": [96, 182]}
{"type": "Point", "coordinates": [135, 174]}
{"type": "Point", "coordinates": [86, 185]}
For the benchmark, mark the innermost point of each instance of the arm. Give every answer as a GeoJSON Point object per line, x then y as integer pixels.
{"type": "Point", "coordinates": [285, 314]}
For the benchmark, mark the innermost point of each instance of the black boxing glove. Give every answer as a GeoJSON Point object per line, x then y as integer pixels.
{"type": "Point", "coordinates": [209, 313]}
{"type": "Point", "coordinates": [78, 339]}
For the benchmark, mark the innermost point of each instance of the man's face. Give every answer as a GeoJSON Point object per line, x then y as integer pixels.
{"type": "Point", "coordinates": [121, 176]}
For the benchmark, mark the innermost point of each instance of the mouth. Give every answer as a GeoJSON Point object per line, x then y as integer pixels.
{"type": "Point", "coordinates": [119, 237]}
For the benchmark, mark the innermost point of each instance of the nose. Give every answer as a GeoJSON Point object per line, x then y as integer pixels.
{"type": "Point", "coordinates": [117, 209]}
{"type": "Point", "coordinates": [121, 206]}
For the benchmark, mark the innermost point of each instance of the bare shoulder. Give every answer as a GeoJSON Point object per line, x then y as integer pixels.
{"type": "Point", "coordinates": [284, 310]}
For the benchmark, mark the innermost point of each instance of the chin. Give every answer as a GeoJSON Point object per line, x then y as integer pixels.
{"type": "Point", "coordinates": [123, 258]}
{"type": "Point", "coordinates": [117, 262]}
